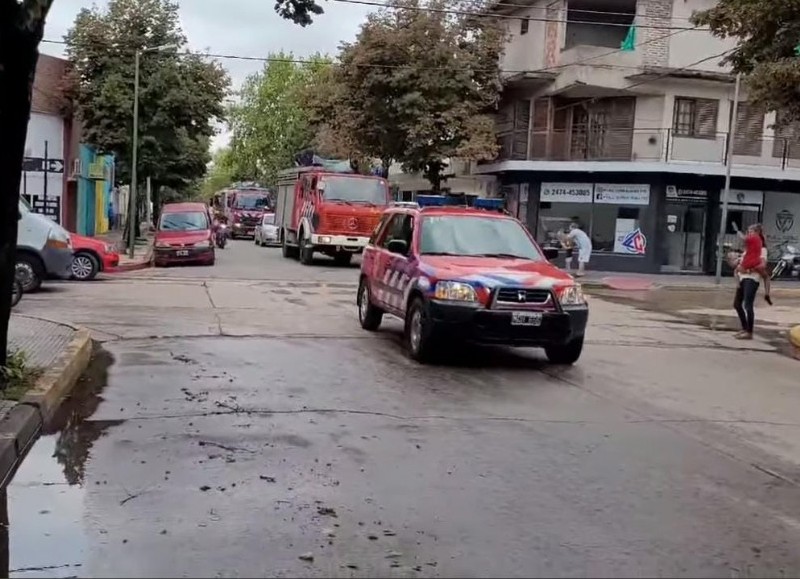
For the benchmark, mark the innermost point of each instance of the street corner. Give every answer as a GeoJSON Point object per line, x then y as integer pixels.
{"type": "Point", "coordinates": [60, 377]}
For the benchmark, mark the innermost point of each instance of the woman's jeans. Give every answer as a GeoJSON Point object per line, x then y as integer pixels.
{"type": "Point", "coordinates": [743, 303]}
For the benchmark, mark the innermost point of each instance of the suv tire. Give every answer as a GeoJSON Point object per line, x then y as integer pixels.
{"type": "Point", "coordinates": [418, 334]}
{"type": "Point", "coordinates": [369, 315]}
{"type": "Point", "coordinates": [566, 354]}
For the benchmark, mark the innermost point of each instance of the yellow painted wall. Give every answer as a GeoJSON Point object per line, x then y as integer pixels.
{"type": "Point", "coordinates": [101, 211]}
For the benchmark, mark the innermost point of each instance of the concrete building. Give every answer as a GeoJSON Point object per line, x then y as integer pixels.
{"type": "Point", "coordinates": [62, 178]}
{"type": "Point", "coordinates": [460, 179]}
{"type": "Point", "coordinates": [632, 141]}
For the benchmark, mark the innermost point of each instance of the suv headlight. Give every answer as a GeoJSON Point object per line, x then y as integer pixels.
{"type": "Point", "coordinates": [572, 296]}
{"type": "Point", "coordinates": [455, 291]}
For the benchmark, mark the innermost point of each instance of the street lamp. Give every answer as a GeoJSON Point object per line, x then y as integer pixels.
{"type": "Point", "coordinates": [132, 194]}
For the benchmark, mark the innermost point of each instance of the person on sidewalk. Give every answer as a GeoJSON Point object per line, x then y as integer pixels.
{"type": "Point", "coordinates": [754, 258]}
{"type": "Point", "coordinates": [578, 239]}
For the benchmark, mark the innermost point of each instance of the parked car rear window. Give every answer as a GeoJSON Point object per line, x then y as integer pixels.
{"type": "Point", "coordinates": [269, 219]}
{"type": "Point", "coordinates": [189, 221]}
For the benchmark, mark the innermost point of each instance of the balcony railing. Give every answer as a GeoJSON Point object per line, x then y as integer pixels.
{"type": "Point", "coordinates": [652, 145]}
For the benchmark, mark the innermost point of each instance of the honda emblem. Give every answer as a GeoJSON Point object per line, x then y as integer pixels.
{"type": "Point", "coordinates": [520, 296]}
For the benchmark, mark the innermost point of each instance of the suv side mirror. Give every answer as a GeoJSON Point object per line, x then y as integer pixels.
{"type": "Point", "coordinates": [397, 246]}
{"type": "Point", "coordinates": [550, 253]}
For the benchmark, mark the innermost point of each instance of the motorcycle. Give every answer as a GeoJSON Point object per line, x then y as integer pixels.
{"type": "Point", "coordinates": [16, 292]}
{"type": "Point", "coordinates": [221, 236]}
{"type": "Point", "coordinates": [789, 262]}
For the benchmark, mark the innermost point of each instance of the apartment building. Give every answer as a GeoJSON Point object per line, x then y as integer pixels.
{"type": "Point", "coordinates": [618, 115]}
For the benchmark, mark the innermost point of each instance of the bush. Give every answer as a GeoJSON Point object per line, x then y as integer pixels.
{"type": "Point", "coordinates": [17, 376]}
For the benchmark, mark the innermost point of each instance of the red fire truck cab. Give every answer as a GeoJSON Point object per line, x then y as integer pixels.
{"type": "Point", "coordinates": [243, 205]}
{"type": "Point", "coordinates": [329, 210]}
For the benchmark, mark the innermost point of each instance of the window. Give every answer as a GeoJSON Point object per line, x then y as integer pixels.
{"type": "Point", "coordinates": [607, 213]}
{"type": "Point", "coordinates": [269, 219]}
{"type": "Point", "coordinates": [476, 236]}
{"type": "Point", "coordinates": [400, 227]}
{"type": "Point", "coordinates": [354, 189]}
{"type": "Point", "coordinates": [696, 118]}
{"type": "Point", "coordinates": [188, 221]}
{"type": "Point", "coordinates": [523, 26]}
{"type": "Point", "coordinates": [379, 228]}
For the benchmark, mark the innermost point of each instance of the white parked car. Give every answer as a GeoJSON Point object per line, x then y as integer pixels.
{"type": "Point", "coordinates": [266, 231]}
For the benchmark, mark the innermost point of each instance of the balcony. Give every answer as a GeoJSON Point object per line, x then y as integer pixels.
{"type": "Point", "coordinates": [651, 145]}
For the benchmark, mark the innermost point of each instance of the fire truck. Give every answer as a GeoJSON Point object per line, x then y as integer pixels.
{"type": "Point", "coordinates": [243, 204]}
{"type": "Point", "coordinates": [326, 207]}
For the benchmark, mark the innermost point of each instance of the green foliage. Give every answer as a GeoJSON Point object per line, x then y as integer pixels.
{"type": "Point", "coordinates": [17, 375]}
{"type": "Point", "coordinates": [417, 86]}
{"type": "Point", "coordinates": [270, 124]}
{"type": "Point", "coordinates": [180, 95]}
{"type": "Point", "coordinates": [220, 175]}
{"type": "Point", "coordinates": [767, 34]}
{"type": "Point", "coordinates": [298, 11]}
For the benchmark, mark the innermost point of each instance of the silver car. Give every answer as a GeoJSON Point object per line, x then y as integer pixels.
{"type": "Point", "coordinates": [266, 231]}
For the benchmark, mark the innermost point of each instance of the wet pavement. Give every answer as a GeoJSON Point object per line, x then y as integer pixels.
{"type": "Point", "coordinates": [301, 446]}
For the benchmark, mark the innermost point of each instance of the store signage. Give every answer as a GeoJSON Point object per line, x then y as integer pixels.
{"type": "Point", "coordinates": [686, 194]}
{"type": "Point", "coordinates": [622, 194]}
{"type": "Point", "coordinates": [781, 221]}
{"type": "Point", "coordinates": [566, 193]}
{"type": "Point", "coordinates": [742, 197]}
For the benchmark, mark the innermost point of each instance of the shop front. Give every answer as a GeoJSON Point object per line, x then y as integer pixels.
{"type": "Point", "coordinates": [618, 217]}
{"type": "Point", "coordinates": [684, 230]}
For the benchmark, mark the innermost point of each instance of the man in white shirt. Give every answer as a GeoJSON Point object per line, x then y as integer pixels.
{"type": "Point", "coordinates": [583, 244]}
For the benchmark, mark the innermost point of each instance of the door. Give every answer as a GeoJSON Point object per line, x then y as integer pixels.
{"type": "Point", "coordinates": [684, 236]}
{"type": "Point", "coordinates": [391, 276]}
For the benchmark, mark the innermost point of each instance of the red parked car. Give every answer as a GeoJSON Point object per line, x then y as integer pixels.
{"type": "Point", "coordinates": [184, 235]}
{"type": "Point", "coordinates": [91, 257]}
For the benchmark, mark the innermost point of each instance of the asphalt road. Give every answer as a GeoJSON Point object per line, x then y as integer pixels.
{"type": "Point", "coordinates": [238, 422]}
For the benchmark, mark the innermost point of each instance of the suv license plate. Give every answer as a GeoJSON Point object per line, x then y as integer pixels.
{"type": "Point", "coordinates": [526, 318]}
{"type": "Point", "coordinates": [182, 252]}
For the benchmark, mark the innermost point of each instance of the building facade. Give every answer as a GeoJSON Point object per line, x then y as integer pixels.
{"type": "Point", "coordinates": [617, 114]}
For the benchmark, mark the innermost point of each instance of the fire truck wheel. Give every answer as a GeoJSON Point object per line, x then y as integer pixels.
{"type": "Point", "coordinates": [306, 251]}
{"type": "Point", "coordinates": [369, 315]}
{"type": "Point", "coordinates": [343, 258]}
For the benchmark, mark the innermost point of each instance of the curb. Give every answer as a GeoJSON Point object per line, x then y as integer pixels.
{"type": "Point", "coordinates": [21, 426]}
{"type": "Point", "coordinates": [136, 265]}
{"type": "Point", "coordinates": [794, 341]}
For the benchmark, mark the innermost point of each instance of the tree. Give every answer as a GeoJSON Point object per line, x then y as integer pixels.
{"type": "Point", "coordinates": [21, 30]}
{"type": "Point", "coordinates": [220, 174]}
{"type": "Point", "coordinates": [417, 86]}
{"type": "Point", "coordinates": [270, 124]}
{"type": "Point", "coordinates": [180, 95]}
{"type": "Point", "coordinates": [768, 36]}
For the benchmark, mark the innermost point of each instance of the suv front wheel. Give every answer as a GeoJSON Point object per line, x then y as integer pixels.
{"type": "Point", "coordinates": [419, 332]}
{"type": "Point", "coordinates": [566, 354]}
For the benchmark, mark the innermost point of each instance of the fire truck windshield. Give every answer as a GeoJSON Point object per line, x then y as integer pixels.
{"type": "Point", "coordinates": [251, 202]}
{"type": "Point", "coordinates": [354, 189]}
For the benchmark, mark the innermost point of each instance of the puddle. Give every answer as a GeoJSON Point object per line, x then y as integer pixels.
{"type": "Point", "coordinates": [45, 533]}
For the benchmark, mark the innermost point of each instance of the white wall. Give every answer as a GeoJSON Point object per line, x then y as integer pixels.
{"type": "Point", "coordinates": [690, 46]}
{"type": "Point", "coordinates": [41, 128]}
{"type": "Point", "coordinates": [525, 51]}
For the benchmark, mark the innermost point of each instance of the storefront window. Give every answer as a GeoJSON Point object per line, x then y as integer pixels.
{"type": "Point", "coordinates": [611, 214]}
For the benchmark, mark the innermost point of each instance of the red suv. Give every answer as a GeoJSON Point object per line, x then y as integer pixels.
{"type": "Point", "coordinates": [464, 273]}
{"type": "Point", "coordinates": [184, 235]}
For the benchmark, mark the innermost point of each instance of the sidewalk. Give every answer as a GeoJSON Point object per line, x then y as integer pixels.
{"type": "Point", "coordinates": [63, 353]}
{"type": "Point", "coordinates": [142, 252]}
{"type": "Point", "coordinates": [649, 281]}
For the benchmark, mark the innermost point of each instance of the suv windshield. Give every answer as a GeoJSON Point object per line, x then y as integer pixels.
{"type": "Point", "coordinates": [476, 236]}
{"type": "Point", "coordinates": [190, 221]}
{"type": "Point", "coordinates": [354, 189]}
{"type": "Point", "coordinates": [251, 202]}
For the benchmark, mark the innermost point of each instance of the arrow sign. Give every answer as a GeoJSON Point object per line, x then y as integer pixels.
{"type": "Point", "coordinates": [38, 164]}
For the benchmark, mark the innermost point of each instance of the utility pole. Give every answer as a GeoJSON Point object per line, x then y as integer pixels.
{"type": "Point", "coordinates": [727, 190]}
{"type": "Point", "coordinates": [134, 185]}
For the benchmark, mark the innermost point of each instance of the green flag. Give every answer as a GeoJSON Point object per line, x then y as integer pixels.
{"type": "Point", "coordinates": [629, 44]}
{"type": "Point", "coordinates": [797, 50]}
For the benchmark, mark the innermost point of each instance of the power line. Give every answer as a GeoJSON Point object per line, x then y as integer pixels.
{"type": "Point", "coordinates": [509, 17]}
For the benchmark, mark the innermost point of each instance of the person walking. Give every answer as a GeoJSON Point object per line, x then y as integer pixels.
{"type": "Point", "coordinates": [578, 239]}
{"type": "Point", "coordinates": [749, 273]}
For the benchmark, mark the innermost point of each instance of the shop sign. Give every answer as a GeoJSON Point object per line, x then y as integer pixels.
{"type": "Point", "coordinates": [742, 197]}
{"type": "Point", "coordinates": [781, 221]}
{"type": "Point", "coordinates": [628, 238]}
{"type": "Point", "coordinates": [566, 193]}
{"type": "Point", "coordinates": [686, 194]}
{"type": "Point", "coordinates": [613, 194]}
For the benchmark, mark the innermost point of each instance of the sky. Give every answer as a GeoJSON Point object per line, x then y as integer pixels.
{"type": "Point", "coordinates": [237, 27]}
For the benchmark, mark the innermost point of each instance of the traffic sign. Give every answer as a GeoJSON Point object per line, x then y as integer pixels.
{"type": "Point", "coordinates": [39, 165]}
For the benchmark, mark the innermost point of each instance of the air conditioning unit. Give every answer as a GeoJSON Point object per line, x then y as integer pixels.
{"type": "Point", "coordinates": [77, 168]}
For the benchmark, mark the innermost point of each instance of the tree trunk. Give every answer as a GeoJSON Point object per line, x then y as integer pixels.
{"type": "Point", "coordinates": [18, 56]}
{"type": "Point", "coordinates": [155, 194]}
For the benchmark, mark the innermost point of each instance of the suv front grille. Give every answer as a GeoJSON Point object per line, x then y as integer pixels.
{"type": "Point", "coordinates": [507, 296]}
